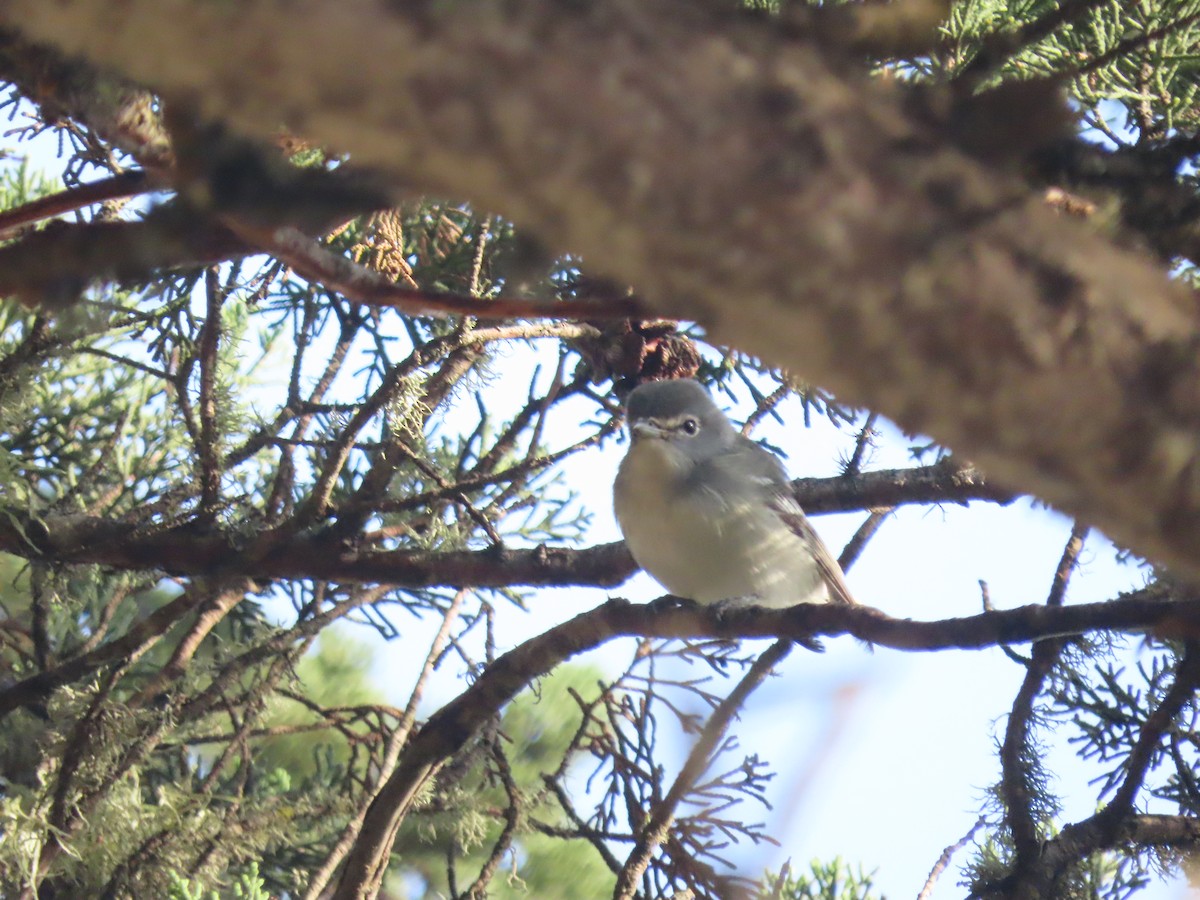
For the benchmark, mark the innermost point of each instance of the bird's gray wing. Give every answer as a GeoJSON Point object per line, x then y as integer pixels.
{"type": "Point", "coordinates": [789, 510]}
{"type": "Point", "coordinates": [766, 467]}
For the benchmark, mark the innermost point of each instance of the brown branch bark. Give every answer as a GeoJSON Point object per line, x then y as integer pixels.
{"type": "Point", "coordinates": [1161, 831]}
{"type": "Point", "coordinates": [189, 550]}
{"type": "Point", "coordinates": [127, 184]}
{"type": "Point", "coordinates": [944, 859]}
{"type": "Point", "coordinates": [303, 254]}
{"type": "Point", "coordinates": [948, 481]}
{"type": "Point", "coordinates": [54, 265]}
{"type": "Point", "coordinates": [1015, 788]}
{"type": "Point", "coordinates": [871, 255]}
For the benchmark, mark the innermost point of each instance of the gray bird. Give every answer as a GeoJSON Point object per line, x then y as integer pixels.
{"type": "Point", "coordinates": [709, 513]}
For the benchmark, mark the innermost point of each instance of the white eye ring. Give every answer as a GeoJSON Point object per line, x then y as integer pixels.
{"type": "Point", "coordinates": [689, 426]}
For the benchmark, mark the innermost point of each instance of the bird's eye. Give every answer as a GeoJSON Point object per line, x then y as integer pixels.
{"type": "Point", "coordinates": [690, 426]}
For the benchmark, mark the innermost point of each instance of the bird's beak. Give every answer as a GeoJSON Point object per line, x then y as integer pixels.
{"type": "Point", "coordinates": [641, 430]}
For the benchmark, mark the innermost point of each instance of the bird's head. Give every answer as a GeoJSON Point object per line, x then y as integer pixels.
{"type": "Point", "coordinates": [677, 419]}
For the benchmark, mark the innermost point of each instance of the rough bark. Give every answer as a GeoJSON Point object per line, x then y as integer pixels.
{"type": "Point", "coordinates": [746, 180]}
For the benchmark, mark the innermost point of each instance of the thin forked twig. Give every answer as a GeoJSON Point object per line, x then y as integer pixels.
{"type": "Point", "coordinates": [658, 824]}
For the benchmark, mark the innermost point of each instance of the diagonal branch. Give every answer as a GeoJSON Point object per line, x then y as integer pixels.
{"type": "Point", "coordinates": [1015, 770]}
{"type": "Point", "coordinates": [1115, 823]}
{"type": "Point", "coordinates": [362, 285]}
{"type": "Point", "coordinates": [127, 184]}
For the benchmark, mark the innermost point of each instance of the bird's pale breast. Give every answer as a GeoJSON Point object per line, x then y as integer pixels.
{"type": "Point", "coordinates": [701, 546]}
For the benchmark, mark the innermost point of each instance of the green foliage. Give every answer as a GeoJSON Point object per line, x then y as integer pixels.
{"type": "Point", "coordinates": [1153, 79]}
{"type": "Point", "coordinates": [835, 879]}
{"type": "Point", "coordinates": [335, 676]}
{"type": "Point", "coordinates": [457, 824]}
{"type": "Point", "coordinates": [20, 183]}
{"type": "Point", "coordinates": [246, 886]}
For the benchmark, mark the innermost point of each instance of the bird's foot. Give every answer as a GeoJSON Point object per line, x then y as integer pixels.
{"type": "Point", "coordinates": [811, 643]}
{"type": "Point", "coordinates": [729, 610]}
{"type": "Point", "coordinates": [668, 602]}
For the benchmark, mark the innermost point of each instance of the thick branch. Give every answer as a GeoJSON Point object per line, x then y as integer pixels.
{"type": "Point", "coordinates": [193, 551]}
{"type": "Point", "coordinates": [948, 481]}
{"type": "Point", "coordinates": [189, 550]}
{"type": "Point", "coordinates": [54, 265]}
{"type": "Point", "coordinates": [795, 208]}
{"type": "Point", "coordinates": [1161, 831]}
{"type": "Point", "coordinates": [127, 184]}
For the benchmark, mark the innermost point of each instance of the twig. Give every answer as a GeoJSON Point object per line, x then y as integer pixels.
{"type": "Point", "coordinates": [863, 440]}
{"type": "Point", "coordinates": [360, 284]}
{"type": "Point", "coordinates": [1128, 45]}
{"type": "Point", "coordinates": [127, 184]}
{"type": "Point", "coordinates": [1000, 46]}
{"type": "Point", "coordinates": [512, 817]}
{"type": "Point", "coordinates": [396, 742]}
{"type": "Point", "coordinates": [658, 824]}
{"type": "Point", "coordinates": [985, 596]}
{"type": "Point", "coordinates": [867, 530]}
{"type": "Point", "coordinates": [766, 406]}
{"type": "Point", "coordinates": [944, 859]}
{"type": "Point", "coordinates": [209, 436]}
{"type": "Point", "coordinates": [1014, 779]}
{"type": "Point", "coordinates": [216, 607]}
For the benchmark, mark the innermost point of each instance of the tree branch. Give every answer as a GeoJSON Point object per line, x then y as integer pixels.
{"type": "Point", "coordinates": [873, 256]}
{"type": "Point", "coordinates": [358, 283]}
{"type": "Point", "coordinates": [1015, 787]}
{"type": "Point", "coordinates": [191, 550]}
{"type": "Point", "coordinates": [127, 184]}
{"type": "Point", "coordinates": [1161, 831]}
{"type": "Point", "coordinates": [1114, 823]}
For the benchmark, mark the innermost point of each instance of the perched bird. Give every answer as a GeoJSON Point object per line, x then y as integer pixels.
{"type": "Point", "coordinates": [709, 513]}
